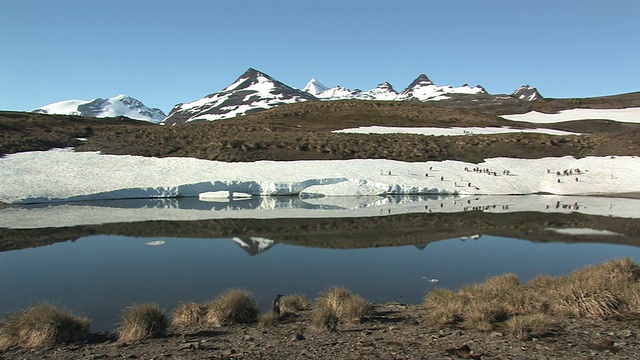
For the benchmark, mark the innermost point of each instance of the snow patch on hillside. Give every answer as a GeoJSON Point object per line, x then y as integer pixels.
{"type": "Point", "coordinates": [451, 131]}
{"type": "Point", "coordinates": [630, 115]}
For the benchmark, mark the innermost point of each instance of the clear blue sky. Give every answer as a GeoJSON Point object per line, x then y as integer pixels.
{"type": "Point", "coordinates": [164, 53]}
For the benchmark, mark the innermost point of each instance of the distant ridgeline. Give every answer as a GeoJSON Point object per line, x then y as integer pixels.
{"type": "Point", "coordinates": [256, 91]}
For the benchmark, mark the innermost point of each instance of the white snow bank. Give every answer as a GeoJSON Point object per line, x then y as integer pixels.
{"type": "Point", "coordinates": [584, 232]}
{"type": "Point", "coordinates": [66, 175]}
{"type": "Point", "coordinates": [450, 131]}
{"type": "Point", "coordinates": [631, 115]}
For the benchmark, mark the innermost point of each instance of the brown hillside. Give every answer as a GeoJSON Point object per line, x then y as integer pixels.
{"type": "Point", "coordinates": [303, 131]}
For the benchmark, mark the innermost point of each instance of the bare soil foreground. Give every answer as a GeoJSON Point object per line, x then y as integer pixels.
{"type": "Point", "coordinates": [395, 331]}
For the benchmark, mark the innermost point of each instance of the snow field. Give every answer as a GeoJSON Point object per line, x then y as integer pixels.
{"type": "Point", "coordinates": [66, 175]}
{"type": "Point", "coordinates": [631, 115]}
{"type": "Point", "coordinates": [450, 131]}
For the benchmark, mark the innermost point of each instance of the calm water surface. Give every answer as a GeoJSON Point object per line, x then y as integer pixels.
{"type": "Point", "coordinates": [98, 276]}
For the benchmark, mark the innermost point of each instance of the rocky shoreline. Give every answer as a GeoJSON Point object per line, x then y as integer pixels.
{"type": "Point", "coordinates": [394, 331]}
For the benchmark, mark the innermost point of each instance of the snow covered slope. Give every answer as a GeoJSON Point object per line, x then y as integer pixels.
{"type": "Point", "coordinates": [630, 115]}
{"type": "Point", "coordinates": [337, 93]}
{"type": "Point", "coordinates": [120, 105]}
{"type": "Point", "coordinates": [252, 91]}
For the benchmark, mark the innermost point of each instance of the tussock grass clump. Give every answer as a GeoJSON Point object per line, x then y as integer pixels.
{"type": "Point", "coordinates": [336, 299]}
{"type": "Point", "coordinates": [598, 291]}
{"type": "Point", "coordinates": [188, 314]}
{"type": "Point", "coordinates": [505, 289]}
{"type": "Point", "coordinates": [445, 307]}
{"type": "Point", "coordinates": [477, 306]}
{"type": "Point", "coordinates": [525, 327]}
{"type": "Point", "coordinates": [539, 293]}
{"type": "Point", "coordinates": [291, 304]}
{"type": "Point", "coordinates": [346, 305]}
{"type": "Point", "coordinates": [142, 321]}
{"type": "Point", "coordinates": [232, 307]}
{"type": "Point", "coordinates": [269, 318]}
{"type": "Point", "coordinates": [325, 317]}
{"type": "Point", "coordinates": [579, 300]}
{"type": "Point", "coordinates": [484, 315]}
{"type": "Point", "coordinates": [42, 325]}
{"type": "Point", "coordinates": [357, 309]}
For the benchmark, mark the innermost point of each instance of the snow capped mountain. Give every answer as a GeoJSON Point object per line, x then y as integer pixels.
{"type": "Point", "coordinates": [383, 91]}
{"type": "Point", "coordinates": [120, 105]}
{"type": "Point", "coordinates": [423, 89]}
{"type": "Point", "coordinates": [253, 91]}
{"type": "Point", "coordinates": [321, 91]}
{"type": "Point", "coordinates": [526, 92]}
{"type": "Point", "coordinates": [337, 93]}
{"type": "Point", "coordinates": [314, 87]}
{"type": "Point", "coordinates": [256, 91]}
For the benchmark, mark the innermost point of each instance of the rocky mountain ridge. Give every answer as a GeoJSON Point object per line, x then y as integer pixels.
{"type": "Point", "coordinates": [256, 91]}
{"type": "Point", "coordinates": [253, 91]}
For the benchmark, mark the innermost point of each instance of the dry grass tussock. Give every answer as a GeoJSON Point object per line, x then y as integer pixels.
{"type": "Point", "coordinates": [525, 327]}
{"type": "Point", "coordinates": [41, 326]}
{"type": "Point", "coordinates": [142, 321]}
{"type": "Point", "coordinates": [597, 291]}
{"type": "Point", "coordinates": [231, 307]}
{"type": "Point", "coordinates": [339, 304]}
{"type": "Point", "coordinates": [269, 318]}
{"type": "Point", "coordinates": [324, 317]}
{"type": "Point", "coordinates": [188, 314]}
{"type": "Point", "coordinates": [291, 304]}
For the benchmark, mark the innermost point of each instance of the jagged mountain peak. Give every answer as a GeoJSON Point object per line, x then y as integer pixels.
{"type": "Point", "coordinates": [383, 91]}
{"type": "Point", "coordinates": [423, 89]}
{"type": "Point", "coordinates": [385, 85]}
{"type": "Point", "coordinates": [526, 92]}
{"type": "Point", "coordinates": [249, 78]}
{"type": "Point", "coordinates": [421, 80]}
{"type": "Point", "coordinates": [253, 91]}
{"type": "Point", "coordinates": [315, 87]}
